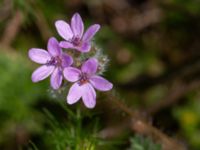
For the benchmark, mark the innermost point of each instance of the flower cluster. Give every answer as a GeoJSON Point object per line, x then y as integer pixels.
{"type": "Point", "coordinates": [69, 66]}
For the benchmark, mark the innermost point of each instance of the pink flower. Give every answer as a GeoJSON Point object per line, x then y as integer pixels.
{"type": "Point", "coordinates": [73, 34]}
{"type": "Point", "coordinates": [53, 62]}
{"type": "Point", "coordinates": [85, 82]}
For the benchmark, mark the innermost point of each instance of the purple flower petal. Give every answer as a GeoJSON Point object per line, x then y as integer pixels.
{"type": "Point", "coordinates": [66, 60]}
{"type": "Point", "coordinates": [72, 74]}
{"type": "Point", "coordinates": [75, 93]}
{"type": "Point", "coordinates": [65, 44]}
{"type": "Point", "coordinates": [38, 55]}
{"type": "Point", "coordinates": [91, 31]}
{"type": "Point", "coordinates": [42, 72]}
{"type": "Point", "coordinates": [90, 66]}
{"type": "Point", "coordinates": [64, 29]}
{"type": "Point", "coordinates": [77, 25]}
{"type": "Point", "coordinates": [56, 78]}
{"type": "Point", "coordinates": [100, 83]}
{"type": "Point", "coordinates": [89, 96]}
{"type": "Point", "coordinates": [85, 47]}
{"type": "Point", "coordinates": [53, 47]}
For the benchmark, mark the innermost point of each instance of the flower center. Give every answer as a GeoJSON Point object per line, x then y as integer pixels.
{"type": "Point", "coordinates": [83, 79]}
{"type": "Point", "coordinates": [76, 41]}
{"type": "Point", "coordinates": [55, 61]}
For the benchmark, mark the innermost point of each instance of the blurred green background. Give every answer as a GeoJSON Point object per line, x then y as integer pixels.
{"type": "Point", "coordinates": [154, 52]}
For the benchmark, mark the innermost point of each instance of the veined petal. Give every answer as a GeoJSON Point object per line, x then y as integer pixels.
{"type": "Point", "coordinates": [100, 83]}
{"type": "Point", "coordinates": [71, 74]}
{"type": "Point", "coordinates": [38, 55]}
{"type": "Point", "coordinates": [77, 25]}
{"type": "Point", "coordinates": [85, 47]}
{"type": "Point", "coordinates": [75, 93]}
{"type": "Point", "coordinates": [66, 60]}
{"type": "Point", "coordinates": [90, 66]}
{"type": "Point", "coordinates": [89, 96]}
{"type": "Point", "coordinates": [42, 72]}
{"type": "Point", "coordinates": [53, 47]}
{"type": "Point", "coordinates": [65, 44]}
{"type": "Point", "coordinates": [91, 31]}
{"type": "Point", "coordinates": [56, 78]}
{"type": "Point", "coordinates": [64, 29]}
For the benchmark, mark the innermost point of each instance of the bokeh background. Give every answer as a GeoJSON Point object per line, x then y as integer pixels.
{"type": "Point", "coordinates": [154, 52]}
